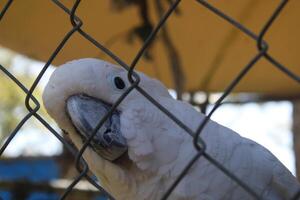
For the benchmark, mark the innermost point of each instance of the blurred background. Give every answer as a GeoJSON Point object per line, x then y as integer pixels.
{"type": "Point", "coordinates": [196, 54]}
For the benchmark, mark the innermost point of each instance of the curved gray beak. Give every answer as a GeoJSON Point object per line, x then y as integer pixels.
{"type": "Point", "coordinates": [85, 113]}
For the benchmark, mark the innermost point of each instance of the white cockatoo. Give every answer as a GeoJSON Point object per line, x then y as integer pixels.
{"type": "Point", "coordinates": [139, 151]}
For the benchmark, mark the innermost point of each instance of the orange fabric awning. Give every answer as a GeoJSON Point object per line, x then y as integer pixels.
{"type": "Point", "coordinates": [211, 51]}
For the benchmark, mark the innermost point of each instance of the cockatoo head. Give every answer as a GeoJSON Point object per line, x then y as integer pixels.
{"type": "Point", "coordinates": [78, 95]}
{"type": "Point", "coordinates": [152, 150]}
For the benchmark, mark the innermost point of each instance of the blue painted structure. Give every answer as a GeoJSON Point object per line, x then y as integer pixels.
{"type": "Point", "coordinates": [33, 170]}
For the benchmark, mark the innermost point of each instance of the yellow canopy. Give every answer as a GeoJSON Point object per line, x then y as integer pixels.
{"type": "Point", "coordinates": [210, 50]}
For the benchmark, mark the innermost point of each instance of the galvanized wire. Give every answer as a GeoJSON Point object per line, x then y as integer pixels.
{"type": "Point", "coordinates": [200, 145]}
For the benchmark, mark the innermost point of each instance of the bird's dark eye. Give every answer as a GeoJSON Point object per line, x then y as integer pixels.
{"type": "Point", "coordinates": [119, 83]}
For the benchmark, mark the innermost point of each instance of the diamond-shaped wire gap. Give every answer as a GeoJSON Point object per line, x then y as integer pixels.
{"type": "Point", "coordinates": [138, 56]}
{"type": "Point", "coordinates": [91, 39]}
{"type": "Point", "coordinates": [74, 20]}
{"type": "Point", "coordinates": [108, 52]}
{"type": "Point", "coordinates": [85, 35]}
{"type": "Point", "coordinates": [52, 57]}
{"type": "Point", "coordinates": [134, 62]}
{"type": "Point", "coordinates": [5, 8]}
{"type": "Point", "coordinates": [25, 90]}
{"type": "Point", "coordinates": [149, 39]}
{"type": "Point", "coordinates": [28, 115]}
{"type": "Point", "coordinates": [260, 42]}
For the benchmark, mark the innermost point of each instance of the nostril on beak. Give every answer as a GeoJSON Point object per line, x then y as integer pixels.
{"type": "Point", "coordinates": [107, 137]}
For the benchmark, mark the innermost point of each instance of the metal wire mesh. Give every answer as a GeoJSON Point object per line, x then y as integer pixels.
{"type": "Point", "coordinates": [81, 165]}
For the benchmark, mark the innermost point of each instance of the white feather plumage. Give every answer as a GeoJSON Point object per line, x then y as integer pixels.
{"type": "Point", "coordinates": [158, 148]}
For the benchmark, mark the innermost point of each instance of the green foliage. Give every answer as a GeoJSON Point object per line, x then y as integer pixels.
{"type": "Point", "coordinates": [12, 98]}
{"type": "Point", "coordinates": [10, 106]}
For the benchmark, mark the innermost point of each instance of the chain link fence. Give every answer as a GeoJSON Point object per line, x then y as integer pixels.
{"type": "Point", "coordinates": [81, 165]}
